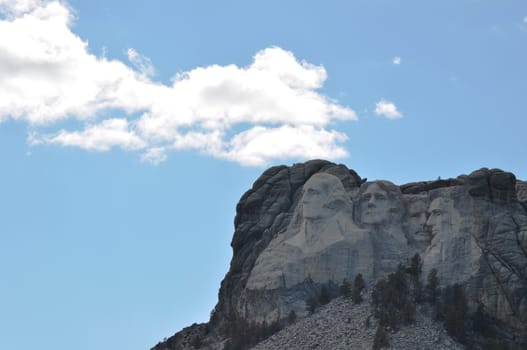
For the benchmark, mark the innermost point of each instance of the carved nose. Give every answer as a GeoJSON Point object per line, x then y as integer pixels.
{"type": "Point", "coordinates": [428, 222]}
{"type": "Point", "coordinates": [371, 204]}
{"type": "Point", "coordinates": [427, 226]}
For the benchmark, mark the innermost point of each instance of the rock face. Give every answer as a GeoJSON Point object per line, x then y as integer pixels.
{"type": "Point", "coordinates": [342, 325]}
{"type": "Point", "coordinates": [317, 222]}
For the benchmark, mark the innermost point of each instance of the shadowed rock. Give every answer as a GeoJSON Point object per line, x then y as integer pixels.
{"type": "Point", "coordinates": [318, 222]}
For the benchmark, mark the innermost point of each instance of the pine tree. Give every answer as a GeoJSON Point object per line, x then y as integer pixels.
{"type": "Point", "coordinates": [311, 305]}
{"type": "Point", "coordinates": [359, 282]}
{"type": "Point", "coordinates": [432, 287]}
{"type": "Point", "coordinates": [416, 266]}
{"type": "Point", "coordinates": [358, 286]}
{"type": "Point", "coordinates": [345, 288]}
{"type": "Point", "coordinates": [481, 323]}
{"type": "Point", "coordinates": [418, 291]}
{"type": "Point", "coordinates": [454, 312]}
{"type": "Point", "coordinates": [381, 339]}
{"type": "Point", "coordinates": [391, 302]}
{"type": "Point", "coordinates": [356, 296]}
{"type": "Point", "coordinates": [324, 296]}
{"type": "Point", "coordinates": [291, 318]}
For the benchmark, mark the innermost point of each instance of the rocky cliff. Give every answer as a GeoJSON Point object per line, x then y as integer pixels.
{"type": "Point", "coordinates": [343, 325]}
{"type": "Point", "coordinates": [318, 223]}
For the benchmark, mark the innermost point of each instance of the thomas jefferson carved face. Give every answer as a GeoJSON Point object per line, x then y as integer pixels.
{"type": "Point", "coordinates": [376, 205]}
{"type": "Point", "coordinates": [324, 195]}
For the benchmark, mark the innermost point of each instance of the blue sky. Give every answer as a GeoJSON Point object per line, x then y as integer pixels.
{"type": "Point", "coordinates": [129, 130]}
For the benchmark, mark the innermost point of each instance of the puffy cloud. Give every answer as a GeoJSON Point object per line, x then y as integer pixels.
{"type": "Point", "coordinates": [396, 60]}
{"type": "Point", "coordinates": [47, 74]}
{"type": "Point", "coordinates": [259, 145]}
{"type": "Point", "coordinates": [387, 109]}
{"type": "Point", "coordinates": [271, 109]}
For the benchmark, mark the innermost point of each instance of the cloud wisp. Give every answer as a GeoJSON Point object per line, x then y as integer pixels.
{"type": "Point", "coordinates": [387, 109]}
{"type": "Point", "coordinates": [98, 137]}
{"type": "Point", "coordinates": [396, 60]}
{"type": "Point", "coordinates": [140, 62]}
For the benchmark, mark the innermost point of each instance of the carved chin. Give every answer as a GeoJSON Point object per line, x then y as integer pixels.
{"type": "Point", "coordinates": [317, 214]}
{"type": "Point", "coordinates": [371, 217]}
{"type": "Point", "coordinates": [422, 236]}
{"type": "Point", "coordinates": [311, 215]}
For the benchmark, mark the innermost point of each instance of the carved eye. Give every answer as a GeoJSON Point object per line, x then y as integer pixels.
{"type": "Point", "coordinates": [380, 197]}
{"type": "Point", "coordinates": [312, 191]}
{"type": "Point", "coordinates": [436, 213]}
{"type": "Point", "coordinates": [367, 196]}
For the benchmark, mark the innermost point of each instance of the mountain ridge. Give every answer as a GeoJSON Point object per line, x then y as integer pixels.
{"type": "Point", "coordinates": [281, 238]}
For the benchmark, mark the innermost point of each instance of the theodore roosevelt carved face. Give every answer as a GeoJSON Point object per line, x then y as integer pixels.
{"type": "Point", "coordinates": [416, 218]}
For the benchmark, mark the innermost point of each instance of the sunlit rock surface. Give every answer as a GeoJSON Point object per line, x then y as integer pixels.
{"type": "Point", "coordinates": [317, 223]}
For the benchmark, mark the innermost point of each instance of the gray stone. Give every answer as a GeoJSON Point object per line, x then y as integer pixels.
{"type": "Point", "coordinates": [317, 222]}
{"type": "Point", "coordinates": [342, 325]}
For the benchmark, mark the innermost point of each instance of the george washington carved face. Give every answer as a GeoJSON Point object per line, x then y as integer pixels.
{"type": "Point", "coordinates": [323, 196]}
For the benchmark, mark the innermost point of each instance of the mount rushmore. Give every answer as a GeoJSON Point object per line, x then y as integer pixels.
{"type": "Point", "coordinates": [318, 222]}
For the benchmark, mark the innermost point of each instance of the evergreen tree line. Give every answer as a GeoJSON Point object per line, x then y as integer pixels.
{"type": "Point", "coordinates": [395, 298]}
{"type": "Point", "coordinates": [394, 302]}
{"type": "Point", "coordinates": [345, 289]}
{"type": "Point", "coordinates": [242, 334]}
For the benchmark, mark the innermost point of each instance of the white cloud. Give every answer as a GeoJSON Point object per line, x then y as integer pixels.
{"type": "Point", "coordinates": [396, 60]}
{"type": "Point", "coordinates": [154, 155]}
{"type": "Point", "coordinates": [14, 8]}
{"type": "Point", "coordinates": [140, 62]}
{"type": "Point", "coordinates": [259, 145]}
{"type": "Point", "coordinates": [387, 109]}
{"type": "Point", "coordinates": [100, 137]}
{"type": "Point", "coordinates": [47, 74]}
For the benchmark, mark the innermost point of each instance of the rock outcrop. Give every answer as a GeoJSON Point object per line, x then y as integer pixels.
{"type": "Point", "coordinates": [317, 222]}
{"type": "Point", "coordinates": [342, 325]}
